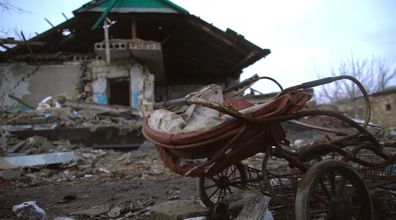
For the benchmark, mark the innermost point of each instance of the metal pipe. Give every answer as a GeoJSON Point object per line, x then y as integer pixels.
{"type": "Point", "coordinates": [107, 43]}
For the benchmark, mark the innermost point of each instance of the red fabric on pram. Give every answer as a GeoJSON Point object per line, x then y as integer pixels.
{"type": "Point", "coordinates": [174, 148]}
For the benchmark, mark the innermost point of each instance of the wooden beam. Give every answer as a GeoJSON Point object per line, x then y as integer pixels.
{"type": "Point", "coordinates": [208, 28]}
{"type": "Point", "coordinates": [49, 22]}
{"type": "Point", "coordinates": [63, 14]}
{"type": "Point", "coordinates": [134, 30]}
{"type": "Point", "coordinates": [4, 46]}
{"type": "Point", "coordinates": [18, 42]}
{"type": "Point", "coordinates": [28, 47]}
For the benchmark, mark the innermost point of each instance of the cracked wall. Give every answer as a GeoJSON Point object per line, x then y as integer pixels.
{"type": "Point", "coordinates": [33, 83]}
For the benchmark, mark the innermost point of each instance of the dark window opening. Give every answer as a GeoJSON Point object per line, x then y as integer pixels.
{"type": "Point", "coordinates": [388, 107]}
{"type": "Point", "coordinates": [119, 92]}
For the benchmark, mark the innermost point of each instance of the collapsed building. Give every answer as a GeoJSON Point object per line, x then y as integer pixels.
{"type": "Point", "coordinates": [126, 52]}
{"type": "Point", "coordinates": [120, 52]}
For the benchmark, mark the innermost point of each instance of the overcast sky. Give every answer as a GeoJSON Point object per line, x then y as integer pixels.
{"type": "Point", "coordinates": [307, 37]}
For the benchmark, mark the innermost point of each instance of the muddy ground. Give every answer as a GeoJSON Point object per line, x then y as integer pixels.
{"type": "Point", "coordinates": [133, 184]}
{"type": "Point", "coordinates": [84, 195]}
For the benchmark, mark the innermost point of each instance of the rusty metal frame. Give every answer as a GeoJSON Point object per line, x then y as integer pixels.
{"type": "Point", "coordinates": [296, 161]}
{"type": "Point", "coordinates": [362, 140]}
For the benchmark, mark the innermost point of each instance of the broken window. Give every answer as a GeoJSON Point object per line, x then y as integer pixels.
{"type": "Point", "coordinates": [388, 107]}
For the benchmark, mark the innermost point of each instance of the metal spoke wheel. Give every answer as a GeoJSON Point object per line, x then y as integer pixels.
{"type": "Point", "coordinates": [333, 190]}
{"type": "Point", "coordinates": [212, 189]}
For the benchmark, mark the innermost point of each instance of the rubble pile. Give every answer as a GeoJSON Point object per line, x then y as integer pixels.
{"type": "Point", "coordinates": [88, 165]}
{"type": "Point", "coordinates": [101, 165]}
{"type": "Point", "coordinates": [36, 160]}
{"type": "Point", "coordinates": [78, 116]}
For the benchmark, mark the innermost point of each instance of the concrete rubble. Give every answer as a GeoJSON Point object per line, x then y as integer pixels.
{"type": "Point", "coordinates": [30, 211]}
{"type": "Point", "coordinates": [76, 122]}
{"type": "Point", "coordinates": [41, 159]}
{"type": "Point", "coordinates": [250, 205]}
{"type": "Point", "coordinates": [35, 161]}
{"type": "Point", "coordinates": [32, 156]}
{"type": "Point", "coordinates": [256, 208]}
{"type": "Point", "coordinates": [83, 162]}
{"type": "Point", "coordinates": [102, 166]}
{"type": "Point", "coordinates": [179, 209]}
{"type": "Point", "coordinates": [87, 164]}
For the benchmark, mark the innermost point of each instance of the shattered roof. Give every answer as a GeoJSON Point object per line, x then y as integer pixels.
{"type": "Point", "coordinates": [194, 51]}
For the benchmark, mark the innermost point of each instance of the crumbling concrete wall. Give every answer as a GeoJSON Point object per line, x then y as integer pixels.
{"type": "Point", "coordinates": [383, 109]}
{"type": "Point", "coordinates": [33, 83]}
{"type": "Point", "coordinates": [100, 73]}
{"type": "Point", "coordinates": [142, 89]}
{"type": "Point", "coordinates": [141, 80]}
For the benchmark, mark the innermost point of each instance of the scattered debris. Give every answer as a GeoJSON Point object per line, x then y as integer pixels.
{"type": "Point", "coordinates": [10, 174]}
{"type": "Point", "coordinates": [56, 118]}
{"type": "Point", "coordinates": [64, 218]}
{"type": "Point", "coordinates": [6, 165]}
{"type": "Point", "coordinates": [117, 146]}
{"type": "Point", "coordinates": [93, 211]}
{"type": "Point", "coordinates": [68, 198]}
{"type": "Point", "coordinates": [196, 218]}
{"type": "Point", "coordinates": [41, 159]}
{"type": "Point", "coordinates": [115, 212]}
{"type": "Point", "coordinates": [256, 209]}
{"type": "Point", "coordinates": [178, 209]}
{"type": "Point", "coordinates": [29, 211]}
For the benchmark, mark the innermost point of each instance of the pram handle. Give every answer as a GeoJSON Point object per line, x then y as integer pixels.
{"type": "Point", "coordinates": [327, 80]}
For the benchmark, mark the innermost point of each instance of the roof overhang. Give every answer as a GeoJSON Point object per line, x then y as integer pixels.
{"type": "Point", "coordinates": [194, 51]}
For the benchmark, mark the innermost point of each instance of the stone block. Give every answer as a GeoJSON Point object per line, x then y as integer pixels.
{"type": "Point", "coordinates": [178, 210]}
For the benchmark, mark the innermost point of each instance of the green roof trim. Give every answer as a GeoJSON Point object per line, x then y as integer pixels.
{"type": "Point", "coordinates": [128, 6]}
{"type": "Point", "coordinates": [105, 13]}
{"type": "Point", "coordinates": [181, 9]}
{"type": "Point", "coordinates": [142, 4]}
{"type": "Point", "coordinates": [162, 6]}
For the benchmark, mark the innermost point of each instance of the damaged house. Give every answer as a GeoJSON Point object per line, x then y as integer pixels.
{"type": "Point", "coordinates": [382, 108]}
{"type": "Point", "coordinates": [124, 52]}
{"type": "Point", "coordinates": [128, 53]}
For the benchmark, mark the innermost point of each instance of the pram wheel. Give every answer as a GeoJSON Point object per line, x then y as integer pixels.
{"type": "Point", "coordinates": [332, 190]}
{"type": "Point", "coordinates": [212, 189]}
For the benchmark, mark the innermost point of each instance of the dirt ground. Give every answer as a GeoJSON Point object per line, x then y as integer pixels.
{"type": "Point", "coordinates": [106, 184]}
{"type": "Point", "coordinates": [132, 187]}
{"type": "Point", "coordinates": [84, 195]}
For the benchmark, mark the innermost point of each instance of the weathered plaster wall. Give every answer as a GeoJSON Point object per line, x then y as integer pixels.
{"type": "Point", "coordinates": [33, 83]}
{"type": "Point", "coordinates": [383, 109]}
{"type": "Point", "coordinates": [141, 92]}
{"type": "Point", "coordinates": [100, 73]}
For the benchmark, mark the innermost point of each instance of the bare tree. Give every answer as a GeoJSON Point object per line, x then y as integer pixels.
{"type": "Point", "coordinates": [7, 32]}
{"type": "Point", "coordinates": [374, 73]}
{"type": "Point", "coordinates": [7, 6]}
